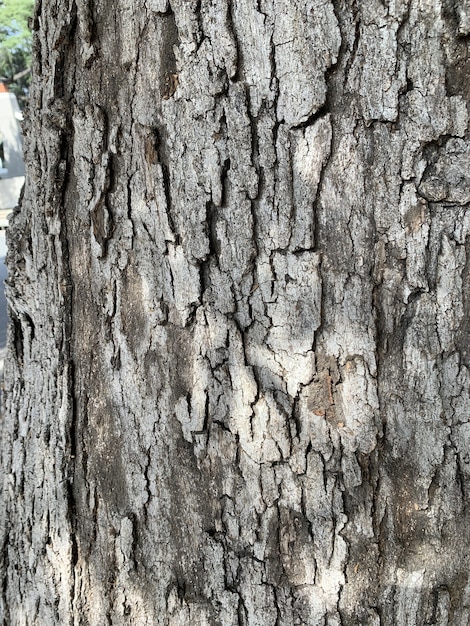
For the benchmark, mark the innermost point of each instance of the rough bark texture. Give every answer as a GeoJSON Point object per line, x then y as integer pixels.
{"type": "Point", "coordinates": [238, 379]}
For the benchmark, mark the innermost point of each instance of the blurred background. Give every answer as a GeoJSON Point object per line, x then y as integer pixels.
{"type": "Point", "coordinates": [16, 46]}
{"type": "Point", "coordinates": [15, 75]}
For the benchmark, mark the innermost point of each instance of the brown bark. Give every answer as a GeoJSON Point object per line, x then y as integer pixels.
{"type": "Point", "coordinates": [237, 388]}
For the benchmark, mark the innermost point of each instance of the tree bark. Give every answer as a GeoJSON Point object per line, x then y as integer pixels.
{"type": "Point", "coordinates": [238, 382]}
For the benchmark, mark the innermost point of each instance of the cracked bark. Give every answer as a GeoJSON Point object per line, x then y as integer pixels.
{"type": "Point", "coordinates": [238, 382]}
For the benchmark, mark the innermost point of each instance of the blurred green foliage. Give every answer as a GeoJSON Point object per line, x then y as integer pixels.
{"type": "Point", "coordinates": [16, 45]}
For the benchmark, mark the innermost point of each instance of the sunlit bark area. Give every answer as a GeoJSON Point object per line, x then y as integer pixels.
{"type": "Point", "coordinates": [237, 390]}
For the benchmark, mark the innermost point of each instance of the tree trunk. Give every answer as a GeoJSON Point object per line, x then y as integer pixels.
{"type": "Point", "coordinates": [238, 379]}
